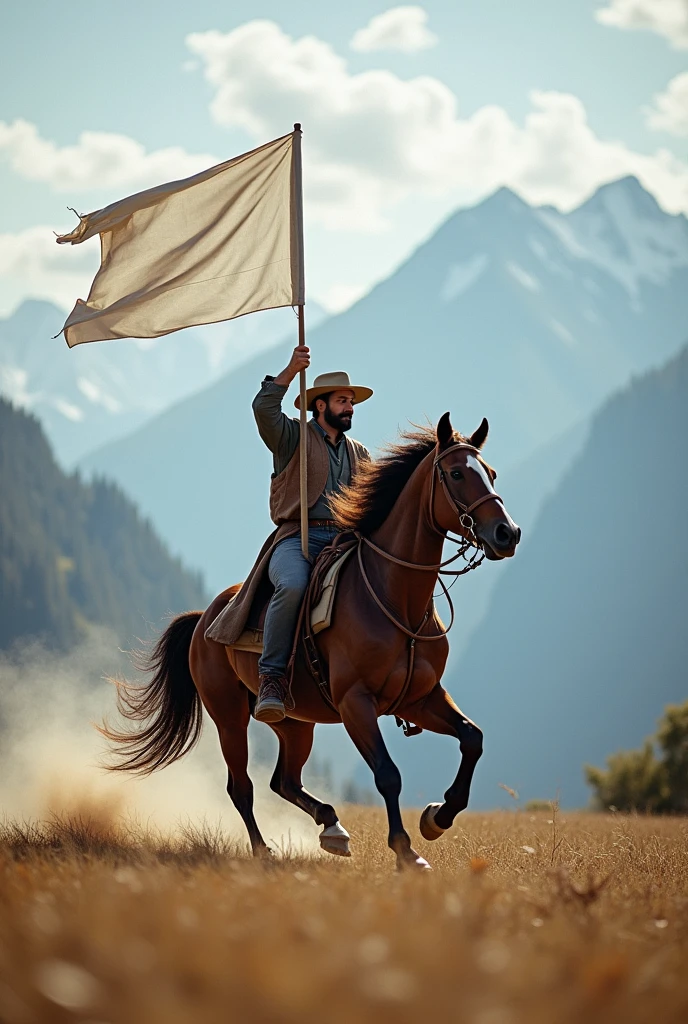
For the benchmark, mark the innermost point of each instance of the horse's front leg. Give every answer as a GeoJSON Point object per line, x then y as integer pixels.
{"type": "Point", "coordinates": [359, 713]}
{"type": "Point", "coordinates": [438, 713]}
{"type": "Point", "coordinates": [296, 742]}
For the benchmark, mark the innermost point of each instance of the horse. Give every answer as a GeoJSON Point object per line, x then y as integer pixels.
{"type": "Point", "coordinates": [384, 652]}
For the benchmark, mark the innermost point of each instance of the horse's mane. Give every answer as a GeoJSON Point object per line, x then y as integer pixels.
{"type": "Point", "coordinates": [365, 505]}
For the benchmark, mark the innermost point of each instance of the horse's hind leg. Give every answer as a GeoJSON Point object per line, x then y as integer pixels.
{"type": "Point", "coordinates": [438, 713]}
{"type": "Point", "coordinates": [295, 743]}
{"type": "Point", "coordinates": [226, 701]}
{"type": "Point", "coordinates": [234, 743]}
{"type": "Point", "coordinates": [359, 713]}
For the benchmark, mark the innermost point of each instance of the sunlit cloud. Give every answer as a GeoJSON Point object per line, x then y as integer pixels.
{"type": "Point", "coordinates": [670, 110]}
{"type": "Point", "coordinates": [667, 18]}
{"type": "Point", "coordinates": [372, 139]}
{"type": "Point", "coordinates": [97, 160]}
{"type": "Point", "coordinates": [400, 28]}
{"type": "Point", "coordinates": [40, 269]}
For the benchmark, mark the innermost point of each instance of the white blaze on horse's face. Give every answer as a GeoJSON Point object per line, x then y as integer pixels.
{"type": "Point", "coordinates": [499, 534]}
{"type": "Point", "coordinates": [474, 463]}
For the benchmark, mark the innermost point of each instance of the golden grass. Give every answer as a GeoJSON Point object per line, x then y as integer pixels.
{"type": "Point", "coordinates": [525, 918]}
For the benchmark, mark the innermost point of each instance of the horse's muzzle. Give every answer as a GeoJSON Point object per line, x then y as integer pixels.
{"type": "Point", "coordinates": [500, 538]}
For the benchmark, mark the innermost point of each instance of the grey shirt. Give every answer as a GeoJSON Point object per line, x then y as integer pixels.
{"type": "Point", "coordinates": [281, 435]}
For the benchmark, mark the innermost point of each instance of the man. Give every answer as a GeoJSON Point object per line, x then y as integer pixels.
{"type": "Point", "coordinates": [332, 462]}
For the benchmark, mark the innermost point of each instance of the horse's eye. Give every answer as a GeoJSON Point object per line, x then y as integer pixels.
{"type": "Point", "coordinates": [456, 474]}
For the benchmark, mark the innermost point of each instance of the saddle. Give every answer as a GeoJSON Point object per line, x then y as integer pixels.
{"type": "Point", "coordinates": [315, 615]}
{"type": "Point", "coordinates": [318, 603]}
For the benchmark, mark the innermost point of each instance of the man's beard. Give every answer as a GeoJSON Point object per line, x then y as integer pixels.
{"type": "Point", "coordinates": [340, 423]}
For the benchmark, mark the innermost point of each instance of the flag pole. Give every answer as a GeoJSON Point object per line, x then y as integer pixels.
{"type": "Point", "coordinates": [303, 412]}
{"type": "Point", "coordinates": [303, 445]}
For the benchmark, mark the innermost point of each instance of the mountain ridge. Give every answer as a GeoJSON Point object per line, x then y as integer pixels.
{"type": "Point", "coordinates": [93, 394]}
{"type": "Point", "coordinates": [498, 314]}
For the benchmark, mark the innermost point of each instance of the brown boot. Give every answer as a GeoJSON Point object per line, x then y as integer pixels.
{"type": "Point", "coordinates": [272, 698]}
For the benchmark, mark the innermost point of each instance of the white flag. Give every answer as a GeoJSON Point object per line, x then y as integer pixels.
{"type": "Point", "coordinates": [222, 243]}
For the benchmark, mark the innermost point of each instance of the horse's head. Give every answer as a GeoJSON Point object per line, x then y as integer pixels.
{"type": "Point", "coordinates": [465, 500]}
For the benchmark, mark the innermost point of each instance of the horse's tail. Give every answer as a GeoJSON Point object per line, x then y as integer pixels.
{"type": "Point", "coordinates": [168, 706]}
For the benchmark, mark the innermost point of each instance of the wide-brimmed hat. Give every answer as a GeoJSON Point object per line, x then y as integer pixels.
{"type": "Point", "coordinates": [337, 381]}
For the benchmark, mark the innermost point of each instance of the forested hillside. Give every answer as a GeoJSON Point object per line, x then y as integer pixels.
{"type": "Point", "coordinates": [73, 554]}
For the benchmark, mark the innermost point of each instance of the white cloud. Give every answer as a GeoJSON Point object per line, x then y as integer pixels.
{"type": "Point", "coordinates": [668, 18]}
{"type": "Point", "coordinates": [670, 111]}
{"type": "Point", "coordinates": [339, 297]}
{"type": "Point", "coordinates": [372, 142]}
{"type": "Point", "coordinates": [98, 160]}
{"type": "Point", "coordinates": [38, 267]}
{"type": "Point", "coordinates": [399, 28]}
{"type": "Point", "coordinates": [368, 137]}
{"type": "Point", "coordinates": [372, 138]}
{"type": "Point", "coordinates": [558, 159]}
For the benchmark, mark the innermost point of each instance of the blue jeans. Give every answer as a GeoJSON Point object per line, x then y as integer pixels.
{"type": "Point", "coordinates": [289, 573]}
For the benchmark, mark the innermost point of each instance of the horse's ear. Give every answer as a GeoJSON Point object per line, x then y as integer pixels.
{"type": "Point", "coordinates": [445, 431]}
{"type": "Point", "coordinates": [479, 437]}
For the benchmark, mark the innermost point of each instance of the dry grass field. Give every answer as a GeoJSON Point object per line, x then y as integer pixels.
{"type": "Point", "coordinates": [525, 917]}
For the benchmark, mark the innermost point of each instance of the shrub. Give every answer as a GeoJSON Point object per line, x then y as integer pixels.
{"type": "Point", "coordinates": [642, 780]}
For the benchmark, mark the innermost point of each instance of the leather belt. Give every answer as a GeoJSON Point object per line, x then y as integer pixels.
{"type": "Point", "coordinates": [321, 522]}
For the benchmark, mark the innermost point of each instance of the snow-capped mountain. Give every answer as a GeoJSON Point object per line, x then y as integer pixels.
{"type": "Point", "coordinates": [524, 315]}
{"type": "Point", "coordinates": [93, 394]}
{"type": "Point", "coordinates": [623, 231]}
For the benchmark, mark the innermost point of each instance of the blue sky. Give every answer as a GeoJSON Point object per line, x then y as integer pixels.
{"type": "Point", "coordinates": [408, 112]}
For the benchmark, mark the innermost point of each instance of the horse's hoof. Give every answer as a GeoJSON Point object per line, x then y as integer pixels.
{"type": "Point", "coordinates": [414, 864]}
{"type": "Point", "coordinates": [339, 847]}
{"type": "Point", "coordinates": [428, 828]}
{"type": "Point", "coordinates": [335, 839]}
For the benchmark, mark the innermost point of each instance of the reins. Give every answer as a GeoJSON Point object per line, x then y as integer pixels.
{"type": "Point", "coordinates": [467, 524]}
{"type": "Point", "coordinates": [382, 606]}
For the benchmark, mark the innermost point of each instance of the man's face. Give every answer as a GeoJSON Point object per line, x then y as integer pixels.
{"type": "Point", "coordinates": [339, 410]}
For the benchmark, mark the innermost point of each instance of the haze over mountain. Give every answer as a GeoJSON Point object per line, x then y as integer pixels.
{"type": "Point", "coordinates": [92, 394]}
{"type": "Point", "coordinates": [585, 639]}
{"type": "Point", "coordinates": [75, 554]}
{"type": "Point", "coordinates": [526, 315]}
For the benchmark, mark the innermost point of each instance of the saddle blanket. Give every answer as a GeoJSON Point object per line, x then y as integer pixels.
{"type": "Point", "coordinates": [321, 613]}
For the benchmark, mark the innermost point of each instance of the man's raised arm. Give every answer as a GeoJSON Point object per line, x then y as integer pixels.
{"type": "Point", "coordinates": [279, 432]}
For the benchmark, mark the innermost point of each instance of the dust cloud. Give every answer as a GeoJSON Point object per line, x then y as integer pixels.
{"type": "Point", "coordinates": [51, 756]}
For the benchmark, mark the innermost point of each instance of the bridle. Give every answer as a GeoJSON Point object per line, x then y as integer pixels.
{"type": "Point", "coordinates": [464, 542]}
{"type": "Point", "coordinates": [466, 520]}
